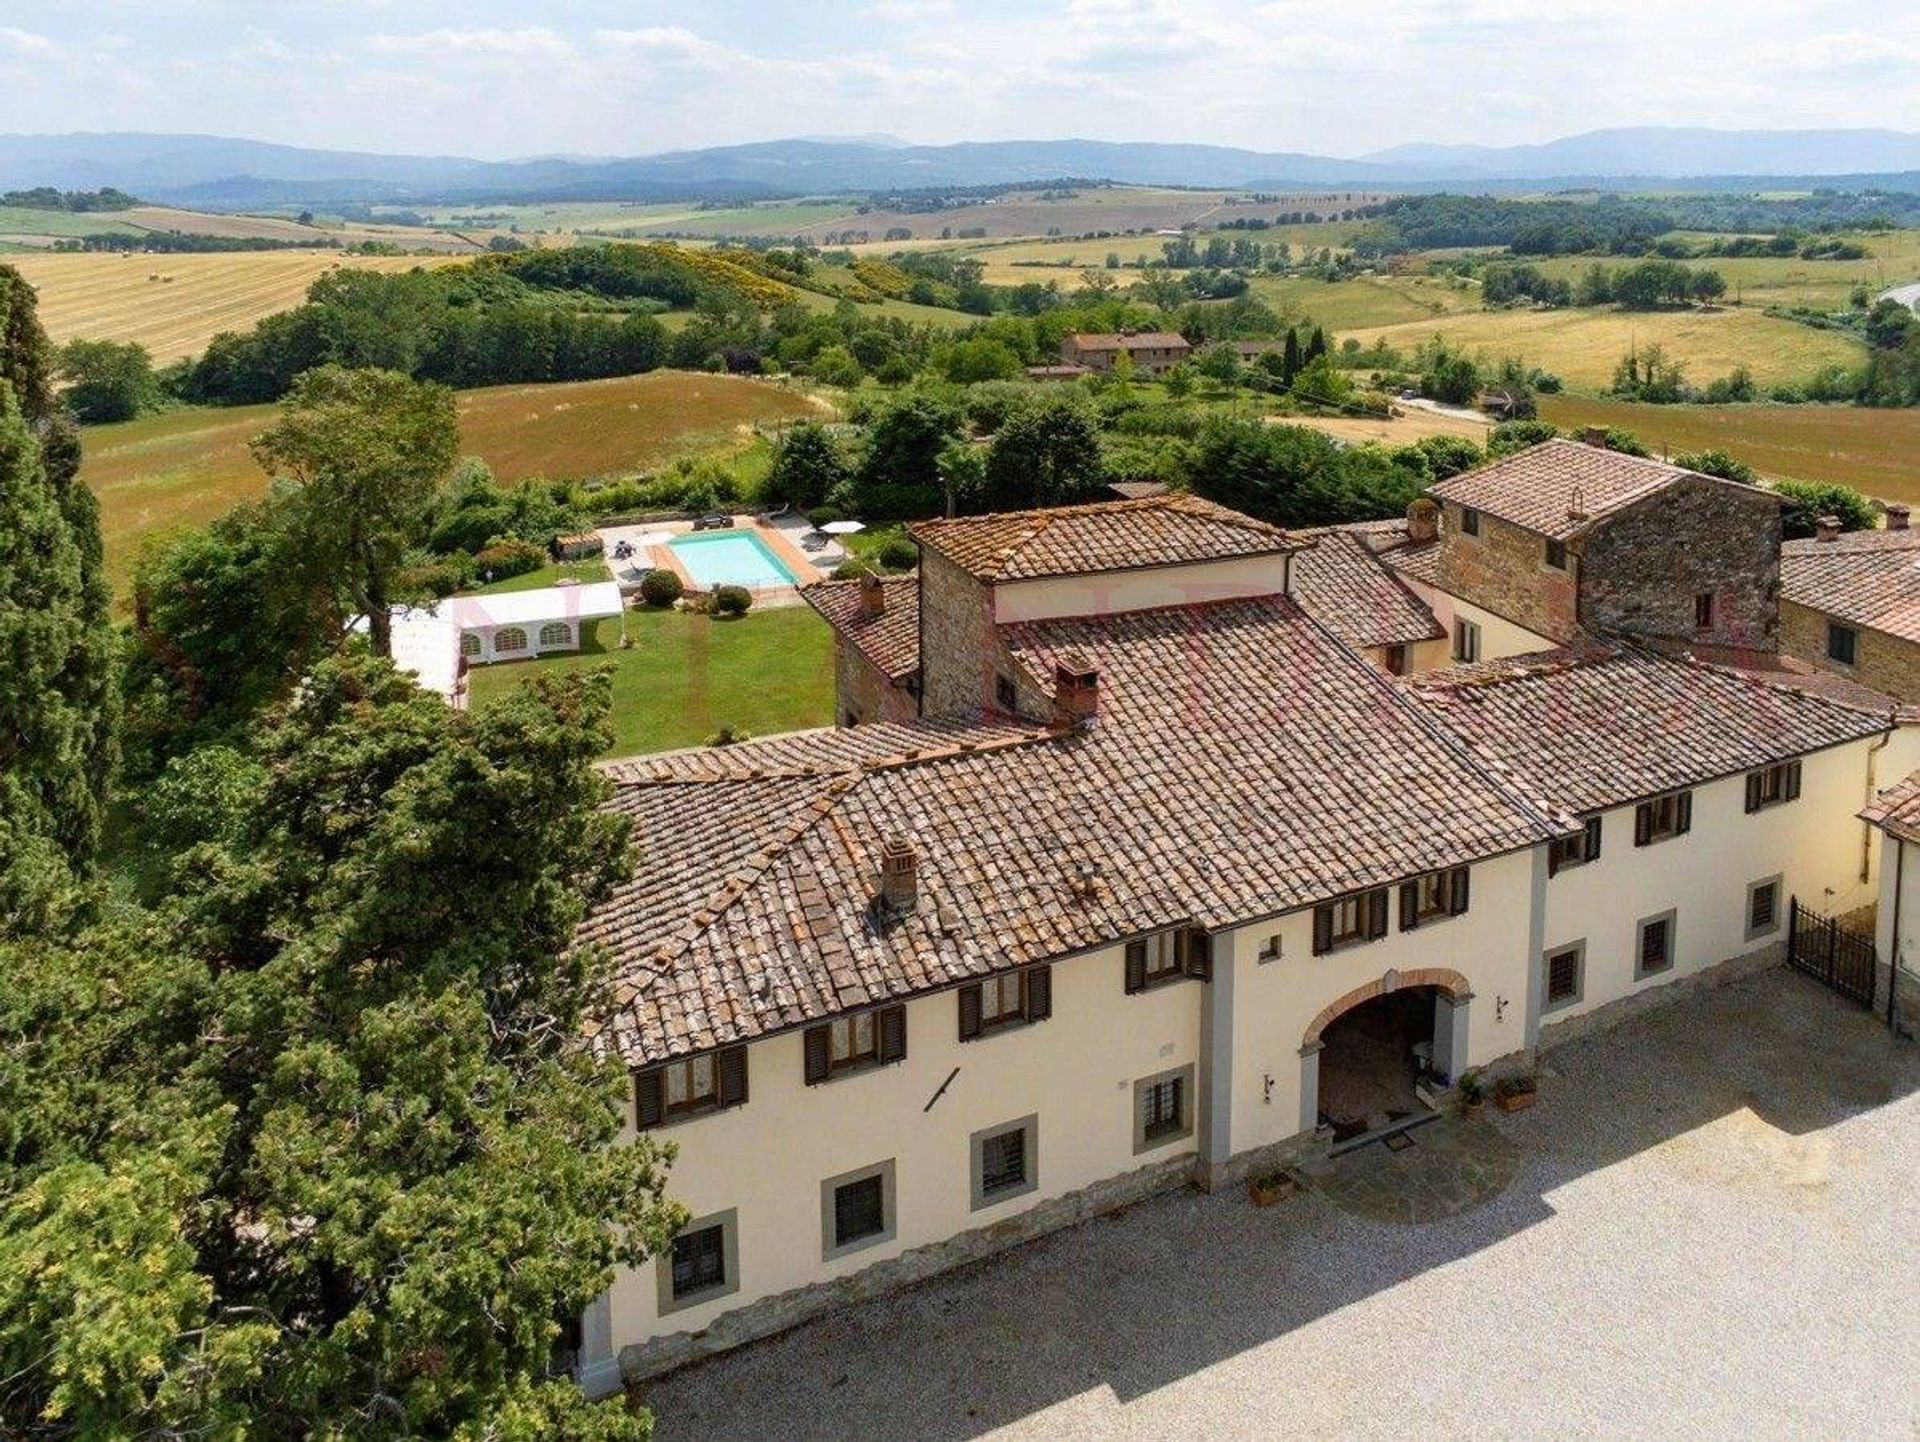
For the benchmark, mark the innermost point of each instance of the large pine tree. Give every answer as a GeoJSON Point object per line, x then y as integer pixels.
{"type": "Point", "coordinates": [56, 642]}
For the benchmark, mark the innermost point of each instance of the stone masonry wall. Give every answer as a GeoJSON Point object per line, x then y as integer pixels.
{"type": "Point", "coordinates": [863, 692]}
{"type": "Point", "coordinates": [1504, 570]}
{"type": "Point", "coordinates": [1885, 663]}
{"type": "Point", "coordinates": [957, 640]}
{"type": "Point", "coordinates": [1641, 568]}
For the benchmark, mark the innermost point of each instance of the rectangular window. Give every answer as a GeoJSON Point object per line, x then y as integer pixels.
{"type": "Point", "coordinates": [681, 1089]}
{"type": "Point", "coordinates": [1763, 908]}
{"type": "Point", "coordinates": [1269, 949]}
{"type": "Point", "coordinates": [856, 1210]}
{"type": "Point", "coordinates": [1566, 970]}
{"type": "Point", "coordinates": [1012, 999]}
{"type": "Point", "coordinates": [1432, 897]}
{"type": "Point", "coordinates": [1662, 818]}
{"type": "Point", "coordinates": [1843, 642]}
{"type": "Point", "coordinates": [1575, 850]}
{"type": "Point", "coordinates": [1162, 1109]}
{"type": "Point", "coordinates": [854, 1042]}
{"type": "Point", "coordinates": [1773, 785]}
{"type": "Point", "coordinates": [1557, 555]}
{"type": "Point", "coordinates": [1006, 1161]}
{"type": "Point", "coordinates": [1469, 521]}
{"type": "Point", "coordinates": [1393, 660]}
{"type": "Point", "coordinates": [702, 1263]}
{"type": "Point", "coordinates": [1168, 956]}
{"type": "Point", "coordinates": [1004, 693]}
{"type": "Point", "coordinates": [1466, 640]}
{"type": "Point", "coordinates": [1654, 952]}
{"type": "Point", "coordinates": [1703, 611]}
{"type": "Point", "coordinates": [1349, 921]}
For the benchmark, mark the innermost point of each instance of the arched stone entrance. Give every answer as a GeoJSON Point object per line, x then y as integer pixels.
{"type": "Point", "coordinates": [1382, 1033]}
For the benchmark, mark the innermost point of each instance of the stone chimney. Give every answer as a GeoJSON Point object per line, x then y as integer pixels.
{"type": "Point", "coordinates": [1898, 516]}
{"type": "Point", "coordinates": [899, 875]}
{"type": "Point", "coordinates": [873, 596]}
{"type": "Point", "coordinates": [1827, 528]}
{"type": "Point", "coordinates": [1076, 692]}
{"type": "Point", "coordinates": [1423, 520]}
{"type": "Point", "coordinates": [1594, 436]}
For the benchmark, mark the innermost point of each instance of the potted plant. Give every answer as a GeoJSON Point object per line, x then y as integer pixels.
{"type": "Point", "coordinates": [1266, 1188]}
{"type": "Point", "coordinates": [1473, 1093]}
{"type": "Point", "coordinates": [1515, 1093]}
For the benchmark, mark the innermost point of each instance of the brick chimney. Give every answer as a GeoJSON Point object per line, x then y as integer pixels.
{"type": "Point", "coordinates": [1423, 520]}
{"type": "Point", "coordinates": [1898, 516]}
{"type": "Point", "coordinates": [1827, 528]}
{"type": "Point", "coordinates": [1594, 436]}
{"type": "Point", "coordinates": [873, 596]}
{"type": "Point", "coordinates": [899, 874]}
{"type": "Point", "coordinates": [1076, 692]}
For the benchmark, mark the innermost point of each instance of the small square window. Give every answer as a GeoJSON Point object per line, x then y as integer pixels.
{"type": "Point", "coordinates": [1843, 643]}
{"type": "Point", "coordinates": [1763, 908]}
{"type": "Point", "coordinates": [1703, 611]}
{"type": "Point", "coordinates": [1654, 951]}
{"type": "Point", "coordinates": [1005, 695]}
{"type": "Point", "coordinates": [1566, 969]}
{"type": "Point", "coordinates": [1006, 1161]}
{"type": "Point", "coordinates": [1393, 660]}
{"type": "Point", "coordinates": [1469, 521]}
{"type": "Point", "coordinates": [856, 1210]}
{"type": "Point", "coordinates": [701, 1263]}
{"type": "Point", "coordinates": [1269, 949]}
{"type": "Point", "coordinates": [1162, 1109]}
{"type": "Point", "coordinates": [1466, 640]}
{"type": "Point", "coordinates": [1557, 555]}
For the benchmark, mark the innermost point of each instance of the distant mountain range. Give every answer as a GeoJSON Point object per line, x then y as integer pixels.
{"type": "Point", "coordinates": [218, 172]}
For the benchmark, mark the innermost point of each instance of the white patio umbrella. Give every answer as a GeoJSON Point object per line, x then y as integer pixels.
{"type": "Point", "coordinates": [843, 528]}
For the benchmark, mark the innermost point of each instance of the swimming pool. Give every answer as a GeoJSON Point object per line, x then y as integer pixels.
{"type": "Point", "coordinates": [730, 558]}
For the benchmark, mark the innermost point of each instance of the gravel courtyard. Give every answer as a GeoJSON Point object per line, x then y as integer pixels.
{"type": "Point", "coordinates": [1711, 1230]}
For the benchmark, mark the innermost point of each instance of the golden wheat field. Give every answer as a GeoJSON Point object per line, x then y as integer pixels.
{"type": "Point", "coordinates": [175, 304]}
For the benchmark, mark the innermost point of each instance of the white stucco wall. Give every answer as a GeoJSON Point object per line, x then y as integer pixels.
{"type": "Point", "coordinates": [1498, 636]}
{"type": "Point", "coordinates": [1814, 844]}
{"type": "Point", "coordinates": [1107, 592]}
{"type": "Point", "coordinates": [766, 1159]}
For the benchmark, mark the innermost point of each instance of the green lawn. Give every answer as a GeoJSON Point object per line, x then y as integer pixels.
{"type": "Point", "coordinates": [686, 676]}
{"type": "Point", "coordinates": [594, 568]}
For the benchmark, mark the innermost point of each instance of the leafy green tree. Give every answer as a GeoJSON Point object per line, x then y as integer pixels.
{"type": "Point", "coordinates": [807, 465]}
{"type": "Point", "coordinates": [899, 478]}
{"type": "Point", "coordinates": [1045, 455]}
{"type": "Point", "coordinates": [107, 380]}
{"type": "Point", "coordinates": [1718, 463]}
{"type": "Point", "coordinates": [982, 359]}
{"type": "Point", "coordinates": [365, 450]}
{"type": "Point", "coordinates": [836, 366]}
{"type": "Point", "coordinates": [1449, 375]}
{"type": "Point", "coordinates": [963, 476]}
{"type": "Point", "coordinates": [1297, 476]}
{"type": "Point", "coordinates": [1220, 364]}
{"type": "Point", "coordinates": [1808, 501]}
{"type": "Point", "coordinates": [320, 1148]}
{"type": "Point", "coordinates": [1322, 383]}
{"type": "Point", "coordinates": [1448, 455]}
{"type": "Point", "coordinates": [1513, 436]}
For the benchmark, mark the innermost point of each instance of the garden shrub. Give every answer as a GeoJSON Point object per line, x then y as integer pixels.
{"type": "Point", "coordinates": [897, 553]}
{"type": "Point", "coordinates": [504, 556]}
{"type": "Point", "coordinates": [851, 570]}
{"type": "Point", "coordinates": [660, 587]}
{"type": "Point", "coordinates": [731, 600]}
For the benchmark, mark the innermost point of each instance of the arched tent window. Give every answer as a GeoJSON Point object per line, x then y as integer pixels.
{"type": "Point", "coordinates": [556, 633]}
{"type": "Point", "coordinates": [508, 639]}
{"type": "Point", "coordinates": [469, 644]}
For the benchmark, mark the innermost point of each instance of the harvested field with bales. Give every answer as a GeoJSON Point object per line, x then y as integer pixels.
{"type": "Point", "coordinates": [186, 467]}
{"type": "Point", "coordinates": [175, 304]}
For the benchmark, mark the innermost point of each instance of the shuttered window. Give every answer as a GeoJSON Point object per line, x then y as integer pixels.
{"type": "Point", "coordinates": [1773, 785]}
{"type": "Point", "coordinates": [1433, 897]}
{"type": "Point", "coordinates": [859, 1210]}
{"type": "Point", "coordinates": [687, 1088]}
{"type": "Point", "coordinates": [1003, 1162]}
{"type": "Point", "coordinates": [854, 1043]}
{"type": "Point", "coordinates": [1350, 921]}
{"type": "Point", "coordinates": [699, 1262]}
{"type": "Point", "coordinates": [1663, 817]}
{"type": "Point", "coordinates": [1014, 999]}
{"type": "Point", "coordinates": [1168, 956]}
{"type": "Point", "coordinates": [1466, 640]}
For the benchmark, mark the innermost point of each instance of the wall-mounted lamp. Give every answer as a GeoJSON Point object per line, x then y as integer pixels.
{"type": "Point", "coordinates": [1499, 1009]}
{"type": "Point", "coordinates": [1266, 1088]}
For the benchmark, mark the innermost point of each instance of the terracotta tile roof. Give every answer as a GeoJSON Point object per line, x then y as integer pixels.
{"type": "Point", "coordinates": [1416, 562]}
{"type": "Point", "coordinates": [1896, 810]}
{"type": "Point", "coordinates": [890, 640]}
{"type": "Point", "coordinates": [1342, 583]}
{"type": "Point", "coordinates": [1220, 784]}
{"type": "Point", "coordinates": [1867, 578]}
{"type": "Point", "coordinates": [1594, 726]}
{"type": "Point", "coordinates": [1167, 530]}
{"type": "Point", "coordinates": [1560, 487]}
{"type": "Point", "coordinates": [1139, 340]}
{"type": "Point", "coordinates": [1137, 490]}
{"type": "Point", "coordinates": [824, 748]}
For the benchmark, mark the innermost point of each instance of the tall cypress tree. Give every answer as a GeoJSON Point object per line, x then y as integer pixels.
{"type": "Point", "coordinates": [57, 689]}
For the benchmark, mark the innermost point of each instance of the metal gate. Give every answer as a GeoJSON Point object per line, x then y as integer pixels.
{"type": "Point", "coordinates": [1829, 953]}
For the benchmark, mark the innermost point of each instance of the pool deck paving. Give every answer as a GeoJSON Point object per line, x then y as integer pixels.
{"type": "Point", "coordinates": [1704, 1229]}
{"type": "Point", "coordinates": [782, 537]}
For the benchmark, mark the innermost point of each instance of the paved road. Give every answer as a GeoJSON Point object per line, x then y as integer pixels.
{"type": "Point", "coordinates": [1907, 295]}
{"type": "Point", "coordinates": [1707, 1233]}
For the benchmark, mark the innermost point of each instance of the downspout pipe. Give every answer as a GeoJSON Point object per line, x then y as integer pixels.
{"type": "Point", "coordinates": [1893, 946]}
{"type": "Point", "coordinates": [1866, 827]}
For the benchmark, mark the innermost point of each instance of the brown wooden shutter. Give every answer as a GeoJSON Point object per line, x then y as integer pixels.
{"type": "Point", "coordinates": [1457, 900]}
{"type": "Point", "coordinates": [1683, 812]}
{"type": "Point", "coordinates": [1136, 965]}
{"type": "Point", "coordinates": [1039, 993]}
{"type": "Point", "coordinates": [731, 1066]}
{"type": "Point", "coordinates": [1376, 913]}
{"type": "Point", "coordinates": [1593, 838]}
{"type": "Point", "coordinates": [1409, 905]}
{"type": "Point", "coordinates": [1642, 823]}
{"type": "Point", "coordinates": [649, 1098]}
{"type": "Point", "coordinates": [1322, 929]}
{"type": "Point", "coordinates": [969, 1012]}
{"type": "Point", "coordinates": [1792, 788]}
{"type": "Point", "coordinates": [1553, 858]}
{"type": "Point", "coordinates": [1198, 954]}
{"type": "Point", "coordinates": [818, 1043]}
{"type": "Point", "coordinates": [892, 1022]}
{"type": "Point", "coordinates": [1753, 790]}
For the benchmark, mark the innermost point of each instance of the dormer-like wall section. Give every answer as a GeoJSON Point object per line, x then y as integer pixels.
{"type": "Point", "coordinates": [1109, 593]}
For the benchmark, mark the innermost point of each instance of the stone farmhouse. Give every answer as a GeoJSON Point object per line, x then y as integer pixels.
{"type": "Point", "coordinates": [1153, 352]}
{"type": "Point", "coordinates": [1850, 603]}
{"type": "Point", "coordinates": [1160, 846]}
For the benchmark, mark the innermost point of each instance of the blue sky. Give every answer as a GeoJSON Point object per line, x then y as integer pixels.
{"type": "Point", "coordinates": [498, 80]}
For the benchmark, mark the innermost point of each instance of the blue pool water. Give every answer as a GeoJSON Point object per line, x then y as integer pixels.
{"type": "Point", "coordinates": [730, 558]}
